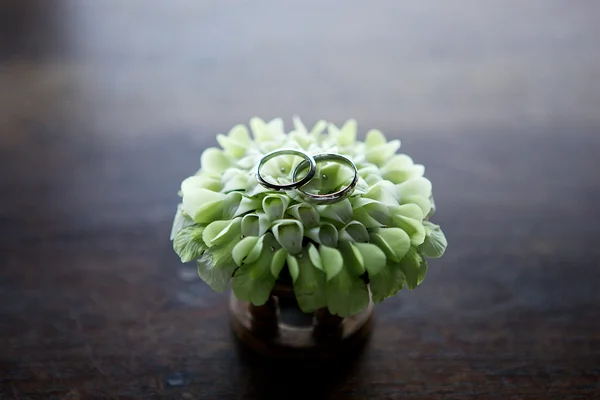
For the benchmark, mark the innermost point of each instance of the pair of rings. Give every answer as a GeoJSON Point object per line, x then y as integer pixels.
{"type": "Point", "coordinates": [310, 162]}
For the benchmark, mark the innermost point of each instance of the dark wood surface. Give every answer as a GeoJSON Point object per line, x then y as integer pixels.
{"type": "Point", "coordinates": [105, 107]}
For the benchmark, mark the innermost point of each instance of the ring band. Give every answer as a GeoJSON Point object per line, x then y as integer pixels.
{"type": "Point", "coordinates": [331, 197]}
{"type": "Point", "coordinates": [295, 184]}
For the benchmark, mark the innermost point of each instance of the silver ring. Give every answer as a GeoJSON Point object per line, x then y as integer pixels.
{"type": "Point", "coordinates": [331, 197]}
{"type": "Point", "coordinates": [295, 184]}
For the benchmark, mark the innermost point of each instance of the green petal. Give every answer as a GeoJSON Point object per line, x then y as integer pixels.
{"type": "Point", "coordinates": [289, 233]}
{"type": "Point", "coordinates": [203, 205]}
{"type": "Point", "coordinates": [397, 240]}
{"type": "Point", "coordinates": [188, 243]}
{"type": "Point", "coordinates": [354, 231]}
{"type": "Point", "coordinates": [216, 266]}
{"type": "Point", "coordinates": [353, 259]}
{"type": "Point", "coordinates": [230, 204]}
{"type": "Point", "coordinates": [424, 203]}
{"type": "Point", "coordinates": [374, 138]}
{"type": "Point", "coordinates": [301, 139]}
{"type": "Point", "coordinates": [259, 129]}
{"type": "Point", "coordinates": [409, 211]}
{"type": "Point", "coordinates": [181, 220]}
{"type": "Point", "coordinates": [255, 224]}
{"type": "Point", "coordinates": [346, 294]}
{"type": "Point", "coordinates": [387, 283]}
{"type": "Point", "coordinates": [413, 227]}
{"type": "Point", "coordinates": [214, 160]}
{"type": "Point", "coordinates": [218, 233]}
{"type": "Point", "coordinates": [384, 192]}
{"type": "Point", "coordinates": [314, 256]}
{"type": "Point", "coordinates": [326, 234]}
{"type": "Point", "coordinates": [293, 267]}
{"type": "Point", "coordinates": [331, 260]}
{"type": "Point", "coordinates": [399, 176]}
{"type": "Point", "coordinates": [398, 162]}
{"type": "Point", "coordinates": [340, 211]}
{"type": "Point", "coordinates": [431, 211]}
{"type": "Point", "coordinates": [247, 204]}
{"type": "Point", "coordinates": [435, 242]}
{"type": "Point", "coordinates": [256, 251]}
{"type": "Point", "coordinates": [299, 126]}
{"type": "Point", "coordinates": [241, 135]}
{"type": "Point", "coordinates": [235, 179]}
{"type": "Point", "coordinates": [363, 216]}
{"type": "Point", "coordinates": [275, 126]}
{"type": "Point", "coordinates": [231, 146]}
{"type": "Point", "coordinates": [415, 187]}
{"type": "Point", "coordinates": [278, 262]}
{"type": "Point", "coordinates": [414, 268]}
{"type": "Point", "coordinates": [367, 170]}
{"type": "Point", "coordinates": [373, 214]}
{"type": "Point", "coordinates": [306, 214]}
{"type": "Point", "coordinates": [243, 248]}
{"type": "Point", "coordinates": [380, 242]}
{"type": "Point", "coordinates": [380, 154]}
{"type": "Point", "coordinates": [348, 133]}
{"type": "Point", "coordinates": [309, 286]}
{"type": "Point", "coordinates": [216, 277]}
{"type": "Point", "coordinates": [274, 206]}
{"type": "Point", "coordinates": [253, 282]}
{"type": "Point", "coordinates": [375, 257]}
{"type": "Point", "coordinates": [237, 141]}
{"type": "Point", "coordinates": [200, 182]}
{"type": "Point", "coordinates": [318, 128]}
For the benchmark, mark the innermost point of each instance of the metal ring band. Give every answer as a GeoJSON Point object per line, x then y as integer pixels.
{"type": "Point", "coordinates": [295, 184]}
{"type": "Point", "coordinates": [331, 197]}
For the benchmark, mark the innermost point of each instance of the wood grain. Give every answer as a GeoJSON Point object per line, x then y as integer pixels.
{"type": "Point", "coordinates": [105, 107]}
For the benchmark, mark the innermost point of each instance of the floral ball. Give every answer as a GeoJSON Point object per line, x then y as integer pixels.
{"type": "Point", "coordinates": [367, 246]}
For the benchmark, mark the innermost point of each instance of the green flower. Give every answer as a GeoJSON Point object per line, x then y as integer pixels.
{"type": "Point", "coordinates": [368, 246]}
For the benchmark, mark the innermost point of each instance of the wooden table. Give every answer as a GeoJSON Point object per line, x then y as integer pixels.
{"type": "Point", "coordinates": [105, 107]}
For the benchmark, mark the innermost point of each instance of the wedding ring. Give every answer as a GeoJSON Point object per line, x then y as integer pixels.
{"type": "Point", "coordinates": [295, 184]}
{"type": "Point", "coordinates": [330, 197]}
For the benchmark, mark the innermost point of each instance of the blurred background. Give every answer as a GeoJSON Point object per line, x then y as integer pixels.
{"type": "Point", "coordinates": [105, 106]}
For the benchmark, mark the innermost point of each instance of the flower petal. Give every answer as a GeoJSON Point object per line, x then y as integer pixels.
{"type": "Point", "coordinates": [414, 268]}
{"type": "Point", "coordinates": [214, 160]}
{"type": "Point", "coordinates": [309, 286]}
{"type": "Point", "coordinates": [289, 233]}
{"type": "Point", "coordinates": [348, 133]}
{"type": "Point", "coordinates": [274, 206]}
{"type": "Point", "coordinates": [325, 234]}
{"type": "Point", "coordinates": [200, 182]}
{"type": "Point", "coordinates": [375, 257]}
{"type": "Point", "coordinates": [331, 260]}
{"type": "Point", "coordinates": [374, 138]}
{"type": "Point", "coordinates": [181, 220]}
{"type": "Point", "coordinates": [255, 224]}
{"type": "Point", "coordinates": [354, 231]}
{"type": "Point", "coordinates": [340, 211]}
{"type": "Point", "coordinates": [243, 248]}
{"type": "Point", "coordinates": [387, 283]}
{"type": "Point", "coordinates": [253, 282]}
{"type": "Point", "coordinates": [347, 294]}
{"type": "Point", "coordinates": [188, 243]}
{"type": "Point", "coordinates": [203, 205]}
{"type": "Point", "coordinates": [305, 213]}
{"type": "Point", "coordinates": [278, 262]}
{"type": "Point", "coordinates": [435, 242]}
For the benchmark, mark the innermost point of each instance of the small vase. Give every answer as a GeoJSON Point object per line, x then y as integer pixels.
{"type": "Point", "coordinates": [263, 329]}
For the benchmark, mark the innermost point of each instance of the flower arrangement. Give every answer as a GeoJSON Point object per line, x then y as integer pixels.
{"type": "Point", "coordinates": [367, 246]}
